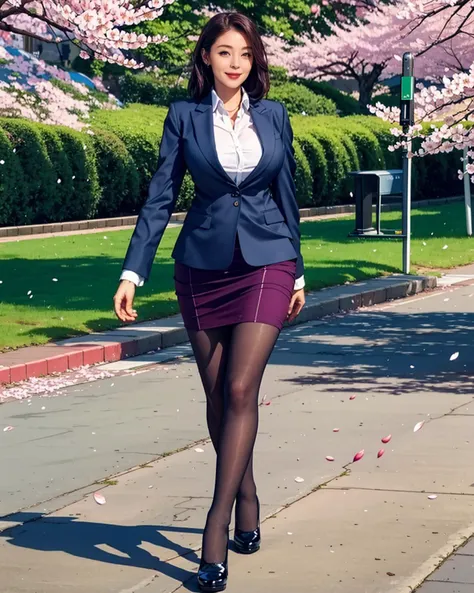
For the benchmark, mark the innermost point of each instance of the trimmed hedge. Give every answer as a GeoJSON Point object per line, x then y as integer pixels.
{"type": "Point", "coordinates": [345, 104]}
{"type": "Point", "coordinates": [297, 98]}
{"type": "Point", "coordinates": [53, 173]}
{"type": "Point", "coordinates": [12, 186]}
{"type": "Point", "coordinates": [148, 89]}
{"type": "Point", "coordinates": [118, 176]}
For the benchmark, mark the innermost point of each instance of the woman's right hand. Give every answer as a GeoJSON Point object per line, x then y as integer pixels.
{"type": "Point", "coordinates": [123, 301]}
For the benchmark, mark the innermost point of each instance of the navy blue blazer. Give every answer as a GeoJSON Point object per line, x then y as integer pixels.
{"type": "Point", "coordinates": [262, 209]}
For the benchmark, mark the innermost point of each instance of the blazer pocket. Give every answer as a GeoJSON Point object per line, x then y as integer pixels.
{"type": "Point", "coordinates": [198, 219]}
{"type": "Point", "coordinates": [272, 216]}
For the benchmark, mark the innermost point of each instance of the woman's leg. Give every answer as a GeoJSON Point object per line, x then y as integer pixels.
{"type": "Point", "coordinates": [250, 347]}
{"type": "Point", "coordinates": [211, 349]}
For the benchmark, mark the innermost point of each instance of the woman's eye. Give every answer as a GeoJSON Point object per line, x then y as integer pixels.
{"type": "Point", "coordinates": [221, 53]}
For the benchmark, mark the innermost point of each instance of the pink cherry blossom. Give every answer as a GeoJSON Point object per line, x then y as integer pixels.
{"type": "Point", "coordinates": [97, 25]}
{"type": "Point", "coordinates": [36, 98]}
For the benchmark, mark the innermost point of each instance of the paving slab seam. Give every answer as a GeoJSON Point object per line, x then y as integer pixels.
{"type": "Point", "coordinates": [75, 356]}
{"type": "Point", "coordinates": [93, 485]}
{"type": "Point", "coordinates": [399, 491]}
{"type": "Point", "coordinates": [416, 580]}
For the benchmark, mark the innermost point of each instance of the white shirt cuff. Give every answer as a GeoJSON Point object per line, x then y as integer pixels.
{"type": "Point", "coordinates": [299, 283]}
{"type": "Point", "coordinates": [133, 277]}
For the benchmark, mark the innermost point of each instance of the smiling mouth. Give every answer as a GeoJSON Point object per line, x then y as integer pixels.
{"type": "Point", "coordinates": [233, 75]}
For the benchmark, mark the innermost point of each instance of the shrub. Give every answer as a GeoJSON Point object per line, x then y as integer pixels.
{"type": "Point", "coordinates": [56, 206]}
{"type": "Point", "coordinates": [140, 130]}
{"type": "Point", "coordinates": [278, 74]}
{"type": "Point", "coordinates": [118, 176]}
{"type": "Point", "coordinates": [339, 164]}
{"type": "Point", "coordinates": [108, 173]}
{"type": "Point", "coordinates": [298, 98]}
{"type": "Point", "coordinates": [140, 127]}
{"type": "Point", "coordinates": [12, 187]}
{"type": "Point", "coordinates": [148, 89]}
{"type": "Point", "coordinates": [318, 167]}
{"type": "Point", "coordinates": [38, 172]}
{"type": "Point", "coordinates": [80, 152]}
{"type": "Point", "coordinates": [381, 130]}
{"type": "Point", "coordinates": [345, 104]}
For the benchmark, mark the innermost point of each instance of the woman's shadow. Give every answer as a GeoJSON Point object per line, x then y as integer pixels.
{"type": "Point", "coordinates": [82, 539]}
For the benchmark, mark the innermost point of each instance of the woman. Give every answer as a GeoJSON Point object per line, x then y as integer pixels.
{"type": "Point", "coordinates": [237, 256]}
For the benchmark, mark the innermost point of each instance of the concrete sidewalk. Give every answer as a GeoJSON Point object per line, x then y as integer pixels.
{"type": "Point", "coordinates": [367, 527]}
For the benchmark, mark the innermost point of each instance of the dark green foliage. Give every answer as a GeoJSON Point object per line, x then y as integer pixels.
{"type": "Point", "coordinates": [38, 172]}
{"type": "Point", "coordinates": [148, 89]}
{"type": "Point", "coordinates": [345, 104]}
{"type": "Point", "coordinates": [108, 173]}
{"type": "Point", "coordinates": [298, 98]}
{"type": "Point", "coordinates": [12, 186]}
{"type": "Point", "coordinates": [118, 176]}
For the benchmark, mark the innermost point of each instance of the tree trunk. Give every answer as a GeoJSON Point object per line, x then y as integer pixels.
{"type": "Point", "coordinates": [366, 86]}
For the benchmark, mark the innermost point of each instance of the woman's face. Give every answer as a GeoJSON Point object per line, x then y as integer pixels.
{"type": "Point", "coordinates": [230, 54]}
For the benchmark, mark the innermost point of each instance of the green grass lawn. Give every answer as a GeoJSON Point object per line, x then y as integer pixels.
{"type": "Point", "coordinates": [87, 268]}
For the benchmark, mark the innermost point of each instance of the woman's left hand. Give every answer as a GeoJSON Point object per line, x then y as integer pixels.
{"type": "Point", "coordinates": [296, 304]}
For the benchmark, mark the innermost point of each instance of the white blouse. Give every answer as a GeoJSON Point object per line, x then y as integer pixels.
{"type": "Point", "coordinates": [238, 149]}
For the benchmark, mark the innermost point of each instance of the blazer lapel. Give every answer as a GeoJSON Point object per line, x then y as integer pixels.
{"type": "Point", "coordinates": [202, 119]}
{"type": "Point", "coordinates": [262, 120]}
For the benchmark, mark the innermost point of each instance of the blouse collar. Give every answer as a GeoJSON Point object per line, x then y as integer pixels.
{"type": "Point", "coordinates": [216, 100]}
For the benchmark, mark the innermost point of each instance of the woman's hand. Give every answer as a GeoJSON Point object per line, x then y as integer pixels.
{"type": "Point", "coordinates": [296, 304]}
{"type": "Point", "coordinates": [123, 301]}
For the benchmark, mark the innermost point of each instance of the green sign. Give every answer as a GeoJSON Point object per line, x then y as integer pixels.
{"type": "Point", "coordinates": [408, 88]}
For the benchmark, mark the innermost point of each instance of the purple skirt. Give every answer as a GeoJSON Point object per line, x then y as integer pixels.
{"type": "Point", "coordinates": [242, 293]}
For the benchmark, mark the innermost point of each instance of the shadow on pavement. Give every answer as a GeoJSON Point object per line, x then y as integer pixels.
{"type": "Point", "coordinates": [84, 540]}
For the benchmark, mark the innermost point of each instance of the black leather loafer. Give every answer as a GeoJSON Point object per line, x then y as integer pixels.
{"type": "Point", "coordinates": [247, 542]}
{"type": "Point", "coordinates": [212, 576]}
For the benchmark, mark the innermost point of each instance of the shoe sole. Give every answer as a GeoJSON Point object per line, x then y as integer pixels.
{"type": "Point", "coordinates": [212, 589]}
{"type": "Point", "coordinates": [245, 551]}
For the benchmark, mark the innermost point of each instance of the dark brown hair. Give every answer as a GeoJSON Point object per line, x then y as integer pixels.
{"type": "Point", "coordinates": [201, 81]}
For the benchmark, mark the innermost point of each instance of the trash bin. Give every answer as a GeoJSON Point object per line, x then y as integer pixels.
{"type": "Point", "coordinates": [369, 185]}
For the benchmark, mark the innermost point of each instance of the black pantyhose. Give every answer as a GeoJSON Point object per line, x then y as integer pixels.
{"type": "Point", "coordinates": [231, 362]}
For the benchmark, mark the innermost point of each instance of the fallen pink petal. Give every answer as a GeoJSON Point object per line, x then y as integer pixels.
{"type": "Point", "coordinates": [353, 396]}
{"type": "Point", "coordinates": [418, 425]}
{"type": "Point", "coordinates": [380, 453]}
{"type": "Point", "coordinates": [335, 429]}
{"type": "Point", "coordinates": [99, 498]}
{"type": "Point", "coordinates": [7, 428]}
{"type": "Point", "coordinates": [433, 496]}
{"type": "Point", "coordinates": [329, 458]}
{"type": "Point", "coordinates": [358, 456]}
{"type": "Point", "coordinates": [387, 439]}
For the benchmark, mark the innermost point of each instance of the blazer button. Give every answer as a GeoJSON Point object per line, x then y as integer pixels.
{"type": "Point", "coordinates": [236, 203]}
{"type": "Point", "coordinates": [236, 194]}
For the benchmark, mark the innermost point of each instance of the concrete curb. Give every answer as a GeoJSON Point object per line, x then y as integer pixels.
{"type": "Point", "coordinates": [104, 223]}
{"type": "Point", "coordinates": [139, 338]}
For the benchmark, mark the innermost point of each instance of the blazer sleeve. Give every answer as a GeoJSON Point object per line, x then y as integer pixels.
{"type": "Point", "coordinates": [162, 195]}
{"type": "Point", "coordinates": [284, 190]}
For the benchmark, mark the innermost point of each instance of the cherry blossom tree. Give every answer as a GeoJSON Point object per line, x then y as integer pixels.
{"type": "Point", "coordinates": [99, 27]}
{"type": "Point", "coordinates": [369, 52]}
{"type": "Point", "coordinates": [44, 93]}
{"type": "Point", "coordinates": [450, 24]}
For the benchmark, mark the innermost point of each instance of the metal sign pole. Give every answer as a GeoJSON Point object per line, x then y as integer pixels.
{"type": "Point", "coordinates": [467, 194]}
{"type": "Point", "coordinates": [407, 119]}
